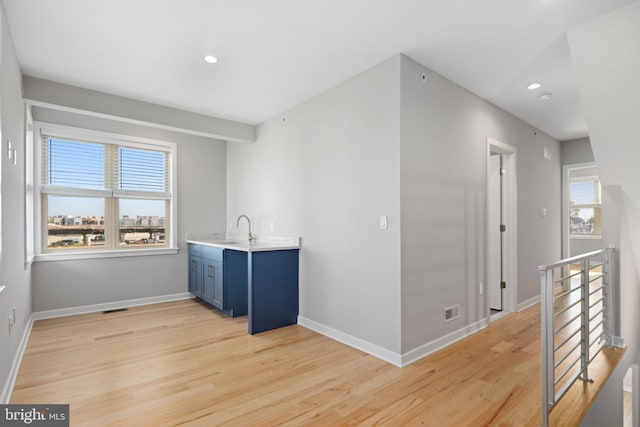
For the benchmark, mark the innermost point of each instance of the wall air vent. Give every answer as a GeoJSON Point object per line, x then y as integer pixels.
{"type": "Point", "coordinates": [451, 313]}
{"type": "Point", "coordinates": [115, 310]}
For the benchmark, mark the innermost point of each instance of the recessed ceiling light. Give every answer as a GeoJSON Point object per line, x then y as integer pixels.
{"type": "Point", "coordinates": [533, 86]}
{"type": "Point", "coordinates": [211, 59]}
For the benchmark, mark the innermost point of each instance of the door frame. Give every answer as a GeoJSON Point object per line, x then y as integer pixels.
{"type": "Point", "coordinates": [510, 217]}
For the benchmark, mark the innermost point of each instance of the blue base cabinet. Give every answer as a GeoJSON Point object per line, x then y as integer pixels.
{"type": "Point", "coordinates": [262, 284]}
{"type": "Point", "coordinates": [273, 289]}
{"type": "Point", "coordinates": [219, 277]}
{"type": "Point", "coordinates": [195, 270]}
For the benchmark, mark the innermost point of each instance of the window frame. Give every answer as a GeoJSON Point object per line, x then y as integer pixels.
{"type": "Point", "coordinates": [594, 206]}
{"type": "Point", "coordinates": [39, 224]}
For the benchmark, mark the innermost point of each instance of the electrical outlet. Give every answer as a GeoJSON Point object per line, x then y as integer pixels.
{"type": "Point", "coordinates": [481, 288]}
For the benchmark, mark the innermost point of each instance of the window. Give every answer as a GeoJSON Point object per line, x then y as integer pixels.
{"type": "Point", "coordinates": [103, 193]}
{"type": "Point", "coordinates": [585, 206]}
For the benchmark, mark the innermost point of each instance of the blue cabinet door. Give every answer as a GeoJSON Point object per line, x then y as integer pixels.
{"type": "Point", "coordinates": [195, 275]}
{"type": "Point", "coordinates": [218, 298]}
{"type": "Point", "coordinates": [235, 282]}
{"type": "Point", "coordinates": [212, 291]}
{"type": "Point", "coordinates": [273, 289]}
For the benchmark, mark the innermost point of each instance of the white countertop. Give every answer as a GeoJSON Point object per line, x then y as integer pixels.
{"type": "Point", "coordinates": [268, 243]}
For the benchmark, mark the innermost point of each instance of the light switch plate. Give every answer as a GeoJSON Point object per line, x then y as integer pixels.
{"type": "Point", "coordinates": [384, 224]}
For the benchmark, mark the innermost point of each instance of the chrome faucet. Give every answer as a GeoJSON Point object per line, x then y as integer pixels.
{"type": "Point", "coordinates": [251, 238]}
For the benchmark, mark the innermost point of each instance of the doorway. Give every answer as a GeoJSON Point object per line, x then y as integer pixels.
{"type": "Point", "coordinates": [496, 243]}
{"type": "Point", "coordinates": [501, 229]}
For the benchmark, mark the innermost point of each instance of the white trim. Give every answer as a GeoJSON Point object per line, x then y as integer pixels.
{"type": "Point", "coordinates": [399, 360]}
{"type": "Point", "coordinates": [29, 236]}
{"type": "Point", "coordinates": [627, 380]}
{"type": "Point", "coordinates": [584, 237]}
{"type": "Point", "coordinates": [84, 309]}
{"type": "Point", "coordinates": [74, 191]}
{"type": "Point", "coordinates": [510, 214]}
{"type": "Point", "coordinates": [351, 341]}
{"type": "Point", "coordinates": [215, 136]}
{"type": "Point", "coordinates": [7, 390]}
{"type": "Point", "coordinates": [438, 344]}
{"type": "Point", "coordinates": [497, 316]}
{"type": "Point", "coordinates": [566, 236]}
{"type": "Point", "coordinates": [528, 303]}
{"type": "Point", "coordinates": [635, 402]}
{"type": "Point", "coordinates": [91, 135]}
{"type": "Point", "coordinates": [88, 254]}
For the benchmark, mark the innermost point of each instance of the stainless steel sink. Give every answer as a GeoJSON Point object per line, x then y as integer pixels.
{"type": "Point", "coordinates": [229, 242]}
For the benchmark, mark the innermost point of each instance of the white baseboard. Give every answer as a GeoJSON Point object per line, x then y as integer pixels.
{"type": "Point", "coordinates": [5, 396]}
{"type": "Point", "coordinates": [351, 341]}
{"type": "Point", "coordinates": [442, 342]}
{"type": "Point", "coordinates": [50, 314]}
{"type": "Point", "coordinates": [389, 356]}
{"type": "Point", "coordinates": [528, 303]}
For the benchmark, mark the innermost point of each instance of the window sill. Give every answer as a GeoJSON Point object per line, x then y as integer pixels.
{"type": "Point", "coordinates": [67, 256]}
{"type": "Point", "coordinates": [585, 236]}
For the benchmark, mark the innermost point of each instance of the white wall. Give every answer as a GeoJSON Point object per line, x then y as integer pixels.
{"type": "Point", "coordinates": [326, 173]}
{"type": "Point", "coordinates": [443, 180]}
{"type": "Point", "coordinates": [386, 143]}
{"type": "Point", "coordinates": [13, 272]}
{"type": "Point", "coordinates": [607, 63]}
{"type": "Point", "coordinates": [201, 196]}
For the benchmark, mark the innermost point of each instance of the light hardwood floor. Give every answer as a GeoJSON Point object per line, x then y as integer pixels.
{"type": "Point", "coordinates": [183, 363]}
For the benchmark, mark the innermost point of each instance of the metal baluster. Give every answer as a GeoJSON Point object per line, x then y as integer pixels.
{"type": "Point", "coordinates": [607, 300]}
{"type": "Point", "coordinates": [546, 316]}
{"type": "Point", "coordinates": [584, 338]}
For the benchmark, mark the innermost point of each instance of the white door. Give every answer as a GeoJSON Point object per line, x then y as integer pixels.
{"type": "Point", "coordinates": [495, 235]}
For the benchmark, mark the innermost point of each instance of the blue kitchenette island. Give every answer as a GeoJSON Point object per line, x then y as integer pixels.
{"type": "Point", "coordinates": [257, 279]}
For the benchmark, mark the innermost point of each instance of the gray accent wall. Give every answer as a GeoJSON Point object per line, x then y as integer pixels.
{"type": "Point", "coordinates": [576, 151]}
{"type": "Point", "coordinates": [14, 274]}
{"type": "Point", "coordinates": [387, 143]}
{"type": "Point", "coordinates": [444, 132]}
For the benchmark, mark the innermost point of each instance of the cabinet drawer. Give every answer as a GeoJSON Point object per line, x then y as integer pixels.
{"type": "Point", "coordinates": [195, 250]}
{"type": "Point", "coordinates": [212, 253]}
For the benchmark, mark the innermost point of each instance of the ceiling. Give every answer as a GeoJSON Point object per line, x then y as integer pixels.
{"type": "Point", "coordinates": [276, 54]}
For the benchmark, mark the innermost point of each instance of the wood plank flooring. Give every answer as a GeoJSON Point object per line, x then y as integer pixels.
{"type": "Point", "coordinates": [182, 363]}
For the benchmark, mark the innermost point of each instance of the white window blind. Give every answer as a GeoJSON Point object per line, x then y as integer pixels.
{"type": "Point", "coordinates": [81, 168]}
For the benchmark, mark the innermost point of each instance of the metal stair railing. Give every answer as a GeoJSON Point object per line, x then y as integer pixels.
{"type": "Point", "coordinates": [576, 321]}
